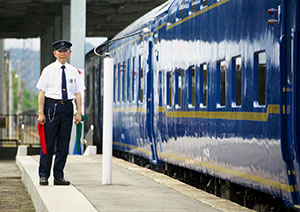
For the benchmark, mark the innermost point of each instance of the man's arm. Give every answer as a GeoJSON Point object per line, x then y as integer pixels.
{"type": "Point", "coordinates": [78, 103]}
{"type": "Point", "coordinates": [41, 103]}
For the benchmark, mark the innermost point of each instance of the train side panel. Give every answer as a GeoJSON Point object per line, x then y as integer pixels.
{"type": "Point", "coordinates": [216, 93]}
{"type": "Point", "coordinates": [239, 143]}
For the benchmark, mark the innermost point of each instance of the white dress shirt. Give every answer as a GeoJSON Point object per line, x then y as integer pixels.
{"type": "Point", "coordinates": [50, 80]}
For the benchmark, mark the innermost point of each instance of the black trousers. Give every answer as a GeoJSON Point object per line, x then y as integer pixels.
{"type": "Point", "coordinates": [58, 128]}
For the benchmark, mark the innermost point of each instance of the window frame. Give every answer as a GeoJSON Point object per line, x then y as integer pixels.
{"type": "Point", "coordinates": [119, 82]}
{"type": "Point", "coordinates": [169, 89]}
{"type": "Point", "coordinates": [192, 86]}
{"type": "Point", "coordinates": [114, 81]}
{"type": "Point", "coordinates": [178, 87]}
{"type": "Point", "coordinates": [256, 83]}
{"type": "Point", "coordinates": [133, 78]}
{"type": "Point", "coordinates": [141, 79]}
{"type": "Point", "coordinates": [129, 82]}
{"type": "Point", "coordinates": [181, 8]}
{"type": "Point", "coordinates": [194, 6]}
{"type": "Point", "coordinates": [234, 81]}
{"type": "Point", "coordinates": [204, 4]}
{"type": "Point", "coordinates": [160, 88]}
{"type": "Point", "coordinates": [203, 104]}
{"type": "Point", "coordinates": [219, 90]}
{"type": "Point", "coordinates": [124, 80]}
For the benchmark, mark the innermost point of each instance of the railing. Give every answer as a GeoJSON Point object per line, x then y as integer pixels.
{"type": "Point", "coordinates": [18, 129]}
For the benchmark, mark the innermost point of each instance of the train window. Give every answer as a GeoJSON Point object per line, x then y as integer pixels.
{"type": "Point", "coordinates": [155, 39]}
{"type": "Point", "coordinates": [183, 9]}
{"type": "Point", "coordinates": [221, 76]}
{"type": "Point", "coordinates": [124, 82]}
{"type": "Point", "coordinates": [237, 77]}
{"type": "Point", "coordinates": [260, 70]}
{"type": "Point", "coordinates": [114, 85]}
{"type": "Point", "coordinates": [204, 3]}
{"type": "Point", "coordinates": [119, 82]}
{"type": "Point", "coordinates": [133, 79]}
{"type": "Point", "coordinates": [194, 5]}
{"type": "Point", "coordinates": [141, 78]}
{"type": "Point", "coordinates": [160, 88]}
{"type": "Point", "coordinates": [178, 87]}
{"type": "Point", "coordinates": [137, 79]}
{"type": "Point", "coordinates": [169, 89]}
{"type": "Point", "coordinates": [129, 90]}
{"type": "Point", "coordinates": [172, 18]}
{"type": "Point", "coordinates": [172, 14]}
{"type": "Point", "coordinates": [204, 85]}
{"type": "Point", "coordinates": [192, 85]}
{"type": "Point", "coordinates": [180, 13]}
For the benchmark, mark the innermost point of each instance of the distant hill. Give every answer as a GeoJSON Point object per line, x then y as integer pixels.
{"type": "Point", "coordinates": [31, 76]}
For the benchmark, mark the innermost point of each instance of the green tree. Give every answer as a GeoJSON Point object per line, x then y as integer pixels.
{"type": "Point", "coordinates": [28, 98]}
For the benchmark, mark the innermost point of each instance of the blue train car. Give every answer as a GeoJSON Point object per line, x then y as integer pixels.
{"type": "Point", "coordinates": [209, 85]}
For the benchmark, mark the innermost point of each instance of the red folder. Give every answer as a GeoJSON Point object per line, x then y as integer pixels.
{"type": "Point", "coordinates": [41, 130]}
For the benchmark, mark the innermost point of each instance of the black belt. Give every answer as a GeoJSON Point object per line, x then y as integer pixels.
{"type": "Point", "coordinates": [59, 100]}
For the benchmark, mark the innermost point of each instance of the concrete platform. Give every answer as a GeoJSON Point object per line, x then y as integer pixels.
{"type": "Point", "coordinates": [134, 189]}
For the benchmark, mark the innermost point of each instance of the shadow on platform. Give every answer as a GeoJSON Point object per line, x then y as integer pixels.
{"type": "Point", "coordinates": [133, 189]}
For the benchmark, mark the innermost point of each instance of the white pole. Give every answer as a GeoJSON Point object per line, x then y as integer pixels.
{"type": "Point", "coordinates": [10, 98]}
{"type": "Point", "coordinates": [77, 58]}
{"type": "Point", "coordinates": [2, 80]}
{"type": "Point", "coordinates": [2, 84]}
{"type": "Point", "coordinates": [107, 121]}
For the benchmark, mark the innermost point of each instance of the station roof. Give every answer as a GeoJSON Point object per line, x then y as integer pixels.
{"type": "Point", "coordinates": [105, 18]}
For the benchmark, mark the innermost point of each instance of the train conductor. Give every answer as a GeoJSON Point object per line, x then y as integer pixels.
{"type": "Point", "coordinates": [59, 85]}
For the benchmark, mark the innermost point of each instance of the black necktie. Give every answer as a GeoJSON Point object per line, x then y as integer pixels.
{"type": "Point", "coordinates": [64, 85]}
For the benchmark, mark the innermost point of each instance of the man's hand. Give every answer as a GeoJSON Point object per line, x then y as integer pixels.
{"type": "Point", "coordinates": [78, 107]}
{"type": "Point", "coordinates": [77, 118]}
{"type": "Point", "coordinates": [41, 118]}
{"type": "Point", "coordinates": [41, 115]}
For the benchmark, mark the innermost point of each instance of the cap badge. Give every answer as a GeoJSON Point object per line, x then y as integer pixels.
{"type": "Point", "coordinates": [62, 43]}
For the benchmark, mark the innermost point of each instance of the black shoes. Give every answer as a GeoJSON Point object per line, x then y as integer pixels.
{"type": "Point", "coordinates": [61, 181]}
{"type": "Point", "coordinates": [44, 181]}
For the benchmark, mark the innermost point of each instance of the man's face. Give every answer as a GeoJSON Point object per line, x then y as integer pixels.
{"type": "Point", "coordinates": [62, 55]}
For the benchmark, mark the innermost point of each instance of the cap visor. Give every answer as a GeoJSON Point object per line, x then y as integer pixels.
{"type": "Point", "coordinates": [62, 48]}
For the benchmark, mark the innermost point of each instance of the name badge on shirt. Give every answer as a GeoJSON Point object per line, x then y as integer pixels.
{"type": "Point", "coordinates": [72, 81]}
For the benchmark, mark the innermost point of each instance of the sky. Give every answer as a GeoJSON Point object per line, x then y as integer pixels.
{"type": "Point", "coordinates": [18, 43]}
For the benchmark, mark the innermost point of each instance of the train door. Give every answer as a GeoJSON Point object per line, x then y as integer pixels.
{"type": "Point", "coordinates": [295, 61]}
{"type": "Point", "coordinates": [290, 91]}
{"type": "Point", "coordinates": [296, 68]}
{"type": "Point", "coordinates": [150, 105]}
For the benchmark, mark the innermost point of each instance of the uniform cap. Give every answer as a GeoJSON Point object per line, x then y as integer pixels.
{"type": "Point", "coordinates": [61, 44]}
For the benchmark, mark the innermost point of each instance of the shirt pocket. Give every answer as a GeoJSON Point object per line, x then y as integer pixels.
{"type": "Point", "coordinates": [54, 86]}
{"type": "Point", "coordinates": [72, 85]}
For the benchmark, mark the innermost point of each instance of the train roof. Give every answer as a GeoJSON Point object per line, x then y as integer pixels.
{"type": "Point", "coordinates": [146, 19]}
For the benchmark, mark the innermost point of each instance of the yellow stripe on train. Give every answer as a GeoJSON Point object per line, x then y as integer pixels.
{"type": "Point", "coordinates": [226, 115]}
